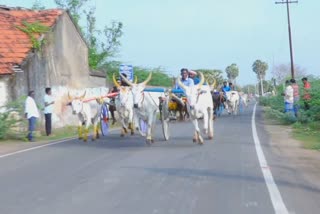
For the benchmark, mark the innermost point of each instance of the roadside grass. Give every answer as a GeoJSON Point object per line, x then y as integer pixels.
{"type": "Point", "coordinates": [57, 134]}
{"type": "Point", "coordinates": [307, 133]}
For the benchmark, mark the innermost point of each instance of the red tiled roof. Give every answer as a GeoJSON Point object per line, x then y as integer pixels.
{"type": "Point", "coordinates": [15, 44]}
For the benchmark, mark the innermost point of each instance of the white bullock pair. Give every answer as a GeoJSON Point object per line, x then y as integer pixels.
{"type": "Point", "coordinates": [145, 106]}
{"type": "Point", "coordinates": [199, 104]}
{"type": "Point", "coordinates": [124, 106]}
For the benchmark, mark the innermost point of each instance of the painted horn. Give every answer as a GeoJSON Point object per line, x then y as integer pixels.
{"type": "Point", "coordinates": [214, 84]}
{"type": "Point", "coordinates": [148, 79]}
{"type": "Point", "coordinates": [115, 81]}
{"type": "Point", "coordinates": [201, 79]}
{"type": "Point", "coordinates": [84, 94]}
{"type": "Point", "coordinates": [181, 84]}
{"type": "Point", "coordinates": [69, 97]}
{"type": "Point", "coordinates": [126, 80]}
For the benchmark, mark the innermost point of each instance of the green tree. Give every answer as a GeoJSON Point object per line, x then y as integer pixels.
{"type": "Point", "coordinates": [159, 76]}
{"type": "Point", "coordinates": [73, 6]}
{"type": "Point", "coordinates": [248, 89]}
{"type": "Point", "coordinates": [259, 67]}
{"type": "Point", "coordinates": [232, 72]}
{"type": "Point", "coordinates": [212, 74]}
{"type": "Point", "coordinates": [99, 52]}
{"type": "Point", "coordinates": [113, 34]}
{"type": "Point", "coordinates": [37, 5]}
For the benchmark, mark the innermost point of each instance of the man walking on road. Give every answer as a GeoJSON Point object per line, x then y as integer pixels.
{"type": "Point", "coordinates": [31, 113]}
{"type": "Point", "coordinates": [48, 108]}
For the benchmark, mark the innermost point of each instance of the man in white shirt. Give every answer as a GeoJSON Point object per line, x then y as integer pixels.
{"type": "Point", "coordinates": [288, 97]}
{"type": "Point", "coordinates": [31, 113]}
{"type": "Point", "coordinates": [48, 108]}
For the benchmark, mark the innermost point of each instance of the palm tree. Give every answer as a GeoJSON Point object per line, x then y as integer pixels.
{"type": "Point", "coordinates": [259, 67]}
{"type": "Point", "coordinates": [232, 72]}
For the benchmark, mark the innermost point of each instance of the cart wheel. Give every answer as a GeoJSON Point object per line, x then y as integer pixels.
{"type": "Point", "coordinates": [165, 121]}
{"type": "Point", "coordinates": [104, 120]}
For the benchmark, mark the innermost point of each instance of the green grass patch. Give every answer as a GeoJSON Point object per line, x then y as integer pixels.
{"type": "Point", "coordinates": [308, 134]}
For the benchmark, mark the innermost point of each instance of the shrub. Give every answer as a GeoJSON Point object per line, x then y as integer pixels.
{"type": "Point", "coordinates": [11, 118]}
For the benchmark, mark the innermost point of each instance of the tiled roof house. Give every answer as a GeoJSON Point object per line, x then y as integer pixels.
{"type": "Point", "coordinates": [62, 60]}
{"type": "Point", "coordinates": [15, 45]}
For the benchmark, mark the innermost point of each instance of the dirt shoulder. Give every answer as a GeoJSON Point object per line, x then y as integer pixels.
{"type": "Point", "coordinates": [283, 144]}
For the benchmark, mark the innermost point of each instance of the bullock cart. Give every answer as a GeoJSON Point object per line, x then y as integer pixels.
{"type": "Point", "coordinates": [165, 107]}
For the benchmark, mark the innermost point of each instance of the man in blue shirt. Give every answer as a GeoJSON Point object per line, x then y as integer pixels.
{"type": "Point", "coordinates": [225, 87]}
{"type": "Point", "coordinates": [185, 78]}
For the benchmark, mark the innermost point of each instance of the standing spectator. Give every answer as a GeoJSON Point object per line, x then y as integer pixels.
{"type": "Point", "coordinates": [288, 97]}
{"type": "Point", "coordinates": [112, 107]}
{"type": "Point", "coordinates": [193, 75]}
{"type": "Point", "coordinates": [31, 113]}
{"type": "Point", "coordinates": [306, 92]}
{"type": "Point", "coordinates": [48, 109]}
{"type": "Point", "coordinates": [296, 96]}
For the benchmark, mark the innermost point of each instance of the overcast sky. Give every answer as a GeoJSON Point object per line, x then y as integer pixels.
{"type": "Point", "coordinates": [210, 34]}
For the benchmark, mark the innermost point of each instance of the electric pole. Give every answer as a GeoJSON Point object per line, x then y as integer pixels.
{"type": "Point", "coordinates": [289, 29]}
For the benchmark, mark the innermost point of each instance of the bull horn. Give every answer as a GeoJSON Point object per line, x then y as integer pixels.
{"type": "Point", "coordinates": [148, 79]}
{"type": "Point", "coordinates": [201, 79]}
{"type": "Point", "coordinates": [181, 84]}
{"type": "Point", "coordinates": [84, 94]}
{"type": "Point", "coordinates": [126, 80]}
{"type": "Point", "coordinates": [214, 84]}
{"type": "Point", "coordinates": [69, 97]}
{"type": "Point", "coordinates": [115, 81]}
{"type": "Point", "coordinates": [135, 79]}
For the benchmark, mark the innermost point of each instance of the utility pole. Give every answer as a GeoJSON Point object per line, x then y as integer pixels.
{"type": "Point", "coordinates": [289, 29]}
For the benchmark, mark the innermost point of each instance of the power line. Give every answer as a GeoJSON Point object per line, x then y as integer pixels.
{"type": "Point", "coordinates": [289, 29]}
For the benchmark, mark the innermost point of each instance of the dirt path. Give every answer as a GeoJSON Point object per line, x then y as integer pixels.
{"type": "Point", "coordinates": [306, 161]}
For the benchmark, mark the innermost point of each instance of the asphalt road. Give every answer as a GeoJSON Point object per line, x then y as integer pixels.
{"type": "Point", "coordinates": [122, 175]}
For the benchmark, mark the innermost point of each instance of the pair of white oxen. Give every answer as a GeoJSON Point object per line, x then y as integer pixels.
{"type": "Point", "coordinates": [135, 106]}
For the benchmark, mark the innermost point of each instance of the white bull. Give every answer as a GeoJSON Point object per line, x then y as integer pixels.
{"type": "Point", "coordinates": [124, 106]}
{"type": "Point", "coordinates": [243, 98]}
{"type": "Point", "coordinates": [232, 103]}
{"type": "Point", "coordinates": [88, 113]}
{"type": "Point", "coordinates": [145, 108]}
{"type": "Point", "coordinates": [199, 104]}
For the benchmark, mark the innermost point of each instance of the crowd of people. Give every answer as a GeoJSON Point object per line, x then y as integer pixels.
{"type": "Point", "coordinates": [32, 113]}
{"type": "Point", "coordinates": [292, 96]}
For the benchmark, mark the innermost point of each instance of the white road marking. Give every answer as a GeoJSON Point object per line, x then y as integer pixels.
{"type": "Point", "coordinates": [275, 196]}
{"type": "Point", "coordinates": [33, 148]}
{"type": "Point", "coordinates": [38, 147]}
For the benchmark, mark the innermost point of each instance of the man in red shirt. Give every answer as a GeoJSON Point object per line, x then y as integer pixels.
{"type": "Point", "coordinates": [306, 94]}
